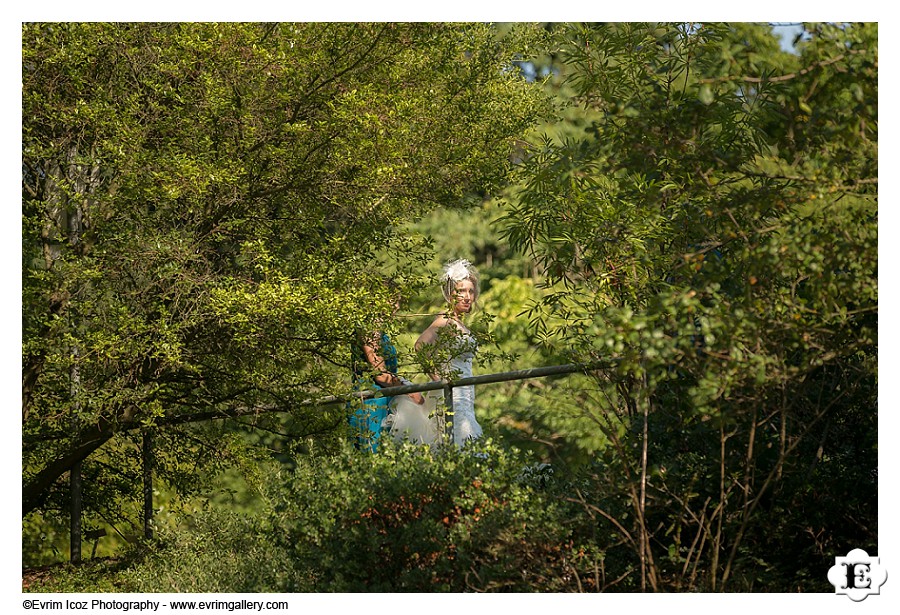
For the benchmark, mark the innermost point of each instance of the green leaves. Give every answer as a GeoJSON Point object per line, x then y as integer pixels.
{"type": "Point", "coordinates": [405, 520]}
{"type": "Point", "coordinates": [210, 209]}
{"type": "Point", "coordinates": [720, 261]}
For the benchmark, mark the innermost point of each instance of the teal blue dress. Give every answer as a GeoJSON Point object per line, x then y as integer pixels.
{"type": "Point", "coordinates": [365, 421]}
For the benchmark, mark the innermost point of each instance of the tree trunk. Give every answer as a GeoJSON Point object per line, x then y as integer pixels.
{"type": "Point", "coordinates": [35, 491]}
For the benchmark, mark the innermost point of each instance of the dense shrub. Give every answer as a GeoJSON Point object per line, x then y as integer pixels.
{"type": "Point", "coordinates": [218, 551]}
{"type": "Point", "coordinates": [412, 520]}
{"type": "Point", "coordinates": [407, 519]}
{"type": "Point", "coordinates": [222, 552]}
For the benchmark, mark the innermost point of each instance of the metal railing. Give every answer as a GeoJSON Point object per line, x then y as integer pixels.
{"type": "Point", "coordinates": [446, 385]}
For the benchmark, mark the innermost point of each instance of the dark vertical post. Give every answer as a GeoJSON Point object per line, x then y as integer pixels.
{"type": "Point", "coordinates": [448, 413]}
{"type": "Point", "coordinates": [73, 223]}
{"type": "Point", "coordinates": [75, 482]}
{"type": "Point", "coordinates": [147, 454]}
{"type": "Point", "coordinates": [75, 514]}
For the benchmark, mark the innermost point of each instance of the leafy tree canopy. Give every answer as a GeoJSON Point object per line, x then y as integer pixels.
{"type": "Point", "coordinates": [206, 208]}
{"type": "Point", "coordinates": [706, 213]}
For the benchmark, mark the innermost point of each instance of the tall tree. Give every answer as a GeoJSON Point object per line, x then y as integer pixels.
{"type": "Point", "coordinates": [707, 215]}
{"type": "Point", "coordinates": [205, 207]}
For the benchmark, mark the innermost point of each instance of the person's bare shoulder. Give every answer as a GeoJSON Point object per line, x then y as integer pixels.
{"type": "Point", "coordinates": [441, 320]}
{"type": "Point", "coordinates": [430, 334]}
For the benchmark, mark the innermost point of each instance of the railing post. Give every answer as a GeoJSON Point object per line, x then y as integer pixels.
{"type": "Point", "coordinates": [448, 413]}
{"type": "Point", "coordinates": [147, 455]}
{"type": "Point", "coordinates": [75, 514]}
{"type": "Point", "coordinates": [75, 482]}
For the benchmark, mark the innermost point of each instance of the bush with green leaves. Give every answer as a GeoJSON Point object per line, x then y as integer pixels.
{"type": "Point", "coordinates": [407, 519]}
{"type": "Point", "coordinates": [216, 551]}
{"type": "Point", "coordinates": [410, 519]}
{"type": "Point", "coordinates": [220, 552]}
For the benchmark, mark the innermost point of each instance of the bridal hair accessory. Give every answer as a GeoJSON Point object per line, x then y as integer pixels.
{"type": "Point", "coordinates": [457, 270]}
{"type": "Point", "coordinates": [454, 273]}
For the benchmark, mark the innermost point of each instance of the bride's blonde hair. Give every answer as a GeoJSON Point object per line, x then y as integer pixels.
{"type": "Point", "coordinates": [457, 271]}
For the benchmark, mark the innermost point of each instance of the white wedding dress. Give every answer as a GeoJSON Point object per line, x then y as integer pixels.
{"type": "Point", "coordinates": [408, 420]}
{"type": "Point", "coordinates": [465, 426]}
{"type": "Point", "coordinates": [418, 423]}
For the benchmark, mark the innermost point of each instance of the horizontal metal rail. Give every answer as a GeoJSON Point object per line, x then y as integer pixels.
{"type": "Point", "coordinates": [328, 400]}
{"type": "Point", "coordinates": [444, 417]}
{"type": "Point", "coordinates": [521, 374]}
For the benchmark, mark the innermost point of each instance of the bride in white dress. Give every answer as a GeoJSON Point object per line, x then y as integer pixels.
{"type": "Point", "coordinates": [452, 340]}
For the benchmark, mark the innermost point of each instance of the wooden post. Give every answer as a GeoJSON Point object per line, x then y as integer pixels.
{"type": "Point", "coordinates": [73, 223]}
{"type": "Point", "coordinates": [448, 413]}
{"type": "Point", "coordinates": [75, 514]}
{"type": "Point", "coordinates": [75, 482]}
{"type": "Point", "coordinates": [147, 455]}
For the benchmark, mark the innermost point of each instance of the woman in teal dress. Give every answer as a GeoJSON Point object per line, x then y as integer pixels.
{"type": "Point", "coordinates": [374, 366]}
